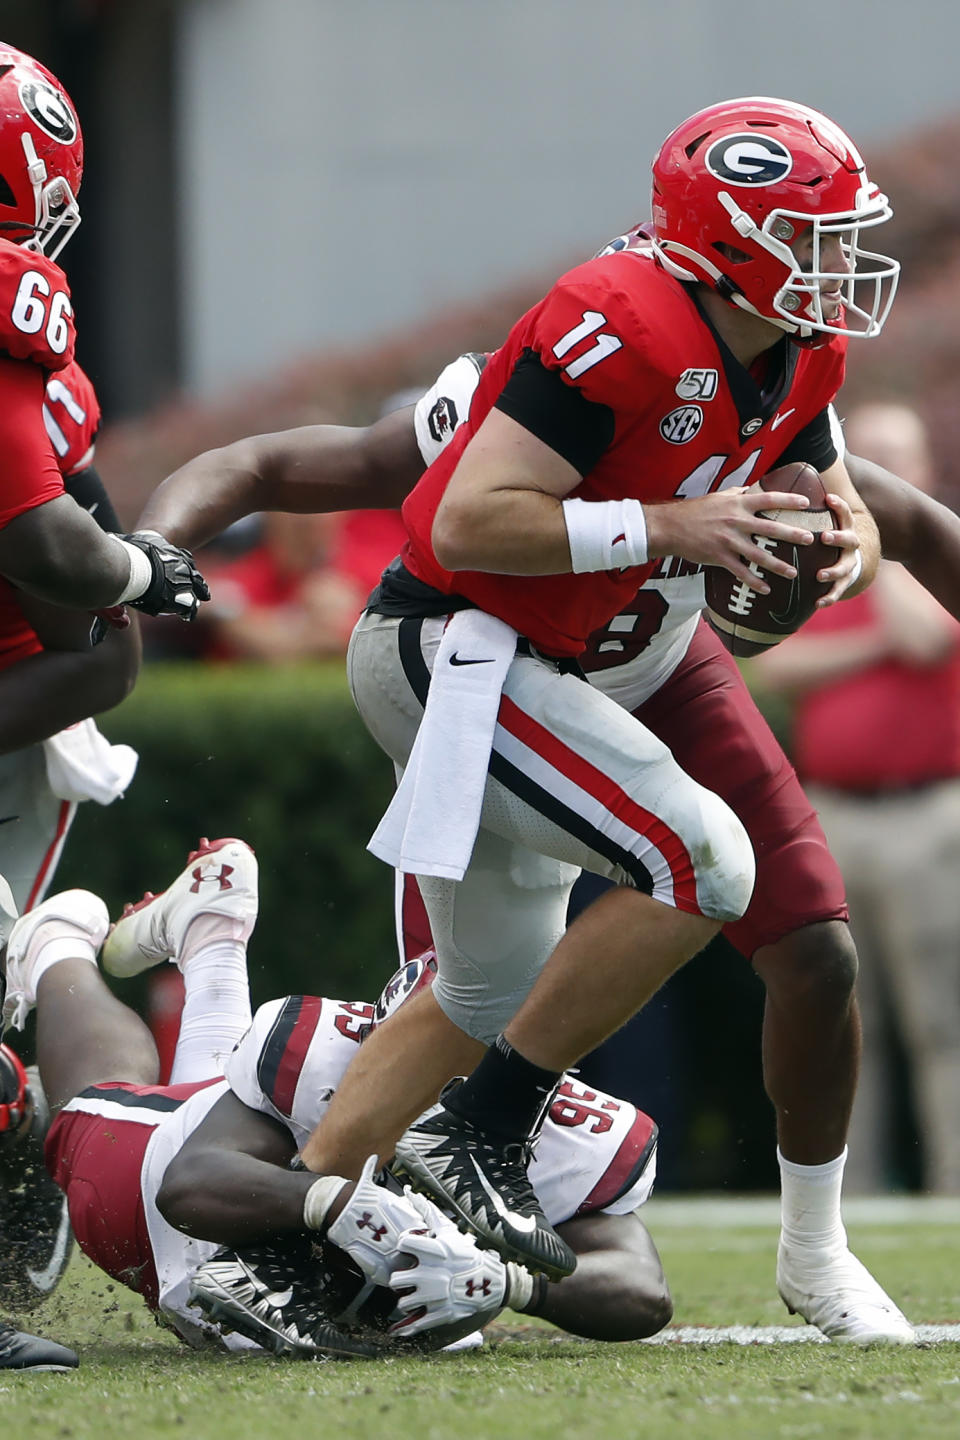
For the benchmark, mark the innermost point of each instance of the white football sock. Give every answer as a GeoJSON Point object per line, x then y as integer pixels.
{"type": "Point", "coordinates": [68, 945]}
{"type": "Point", "coordinates": [810, 1203]}
{"type": "Point", "coordinates": [216, 1009]}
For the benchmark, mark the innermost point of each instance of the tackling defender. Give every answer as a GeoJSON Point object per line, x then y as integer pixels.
{"type": "Point", "coordinates": [160, 1179]}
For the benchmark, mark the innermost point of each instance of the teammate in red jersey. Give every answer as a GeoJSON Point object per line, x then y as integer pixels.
{"type": "Point", "coordinates": [48, 546]}
{"type": "Point", "coordinates": [56, 557]}
{"type": "Point", "coordinates": [803, 951]}
{"type": "Point", "coordinates": [161, 1178]}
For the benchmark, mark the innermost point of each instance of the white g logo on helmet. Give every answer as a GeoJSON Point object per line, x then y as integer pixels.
{"type": "Point", "coordinates": [751, 159]}
{"type": "Point", "coordinates": [49, 110]}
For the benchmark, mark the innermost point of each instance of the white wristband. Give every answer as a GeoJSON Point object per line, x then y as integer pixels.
{"type": "Point", "coordinates": [519, 1287]}
{"type": "Point", "coordinates": [857, 570]}
{"type": "Point", "coordinates": [319, 1198]}
{"type": "Point", "coordinates": [141, 573]}
{"type": "Point", "coordinates": [605, 534]}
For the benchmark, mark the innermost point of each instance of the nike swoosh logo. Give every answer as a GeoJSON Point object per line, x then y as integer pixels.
{"type": "Point", "coordinates": [526, 1224]}
{"type": "Point", "coordinates": [789, 616]}
{"type": "Point", "coordinates": [455, 660]}
{"type": "Point", "coordinates": [45, 1279]}
{"type": "Point", "coordinates": [279, 1298]}
{"type": "Point", "coordinates": [93, 507]}
{"type": "Point", "coordinates": [779, 419]}
{"type": "Point", "coordinates": [5, 819]}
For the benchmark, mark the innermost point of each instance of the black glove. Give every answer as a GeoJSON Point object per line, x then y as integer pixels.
{"type": "Point", "coordinates": [177, 587]}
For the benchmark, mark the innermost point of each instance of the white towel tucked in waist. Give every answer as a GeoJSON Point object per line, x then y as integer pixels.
{"type": "Point", "coordinates": [432, 821]}
{"type": "Point", "coordinates": [83, 765]}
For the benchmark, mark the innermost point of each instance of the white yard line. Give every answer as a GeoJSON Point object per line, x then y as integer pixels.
{"type": "Point", "coordinates": [764, 1210]}
{"type": "Point", "coordinates": [776, 1335]}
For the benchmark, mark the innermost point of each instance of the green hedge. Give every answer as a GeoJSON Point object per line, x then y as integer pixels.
{"type": "Point", "coordinates": [281, 759]}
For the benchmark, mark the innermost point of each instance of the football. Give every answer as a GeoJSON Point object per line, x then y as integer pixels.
{"type": "Point", "coordinates": [746, 621]}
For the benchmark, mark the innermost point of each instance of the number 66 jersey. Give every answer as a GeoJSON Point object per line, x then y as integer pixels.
{"type": "Point", "coordinates": [595, 1152]}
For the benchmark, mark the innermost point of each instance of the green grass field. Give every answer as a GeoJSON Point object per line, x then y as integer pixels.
{"type": "Point", "coordinates": [531, 1381]}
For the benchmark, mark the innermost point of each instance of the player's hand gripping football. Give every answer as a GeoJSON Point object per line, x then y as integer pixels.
{"type": "Point", "coordinates": [845, 571]}
{"type": "Point", "coordinates": [721, 529]}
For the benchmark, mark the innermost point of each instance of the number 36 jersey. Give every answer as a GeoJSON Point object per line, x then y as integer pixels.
{"type": "Point", "coordinates": [595, 1152]}
{"type": "Point", "coordinates": [685, 419]}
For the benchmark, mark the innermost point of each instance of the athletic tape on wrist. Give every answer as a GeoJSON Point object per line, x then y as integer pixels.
{"type": "Point", "coordinates": [605, 534]}
{"type": "Point", "coordinates": [319, 1198]}
{"type": "Point", "coordinates": [141, 573]}
{"type": "Point", "coordinates": [520, 1287]}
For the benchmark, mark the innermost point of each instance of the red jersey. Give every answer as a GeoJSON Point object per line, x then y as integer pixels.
{"type": "Point", "coordinates": [49, 429]}
{"type": "Point", "coordinates": [882, 727]}
{"type": "Point", "coordinates": [71, 418]}
{"type": "Point", "coordinates": [688, 420]}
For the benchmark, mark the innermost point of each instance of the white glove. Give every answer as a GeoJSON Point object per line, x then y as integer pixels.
{"type": "Point", "coordinates": [370, 1225]}
{"type": "Point", "coordinates": [446, 1285]}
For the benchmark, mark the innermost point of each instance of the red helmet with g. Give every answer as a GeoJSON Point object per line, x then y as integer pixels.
{"type": "Point", "coordinates": [41, 156]}
{"type": "Point", "coordinates": [738, 184]}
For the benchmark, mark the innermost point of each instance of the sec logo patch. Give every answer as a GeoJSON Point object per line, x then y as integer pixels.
{"type": "Point", "coordinates": [681, 424]}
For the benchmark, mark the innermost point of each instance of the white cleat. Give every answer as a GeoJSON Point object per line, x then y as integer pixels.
{"type": "Point", "coordinates": [76, 910]}
{"type": "Point", "coordinates": [836, 1293]}
{"type": "Point", "coordinates": [8, 911]}
{"type": "Point", "coordinates": [220, 878]}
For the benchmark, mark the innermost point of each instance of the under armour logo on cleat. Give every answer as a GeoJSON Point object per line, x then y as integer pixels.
{"type": "Point", "coordinates": [366, 1223]}
{"type": "Point", "coordinates": [199, 875]}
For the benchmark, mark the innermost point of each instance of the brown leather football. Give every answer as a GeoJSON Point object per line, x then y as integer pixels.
{"type": "Point", "coordinates": [749, 623]}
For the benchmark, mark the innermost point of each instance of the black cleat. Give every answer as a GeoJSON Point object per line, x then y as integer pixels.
{"type": "Point", "coordinates": [37, 1240]}
{"type": "Point", "coordinates": [483, 1182]}
{"type": "Point", "coordinates": [279, 1296]}
{"type": "Point", "coordinates": [19, 1351]}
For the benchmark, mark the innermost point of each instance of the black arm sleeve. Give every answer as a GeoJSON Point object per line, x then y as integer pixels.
{"type": "Point", "coordinates": [87, 489]}
{"type": "Point", "coordinates": [557, 413]}
{"type": "Point", "coordinates": [814, 444]}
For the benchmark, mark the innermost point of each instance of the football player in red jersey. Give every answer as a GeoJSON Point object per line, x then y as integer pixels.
{"type": "Point", "coordinates": [48, 546]}
{"type": "Point", "coordinates": [730, 217]}
{"type": "Point", "coordinates": [161, 1178]}
{"type": "Point", "coordinates": [57, 559]}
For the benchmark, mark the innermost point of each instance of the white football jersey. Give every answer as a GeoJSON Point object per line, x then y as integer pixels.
{"type": "Point", "coordinates": [671, 600]}
{"type": "Point", "coordinates": [595, 1152]}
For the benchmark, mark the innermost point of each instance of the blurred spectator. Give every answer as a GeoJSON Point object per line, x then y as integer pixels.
{"type": "Point", "coordinates": [877, 742]}
{"type": "Point", "coordinates": [283, 600]}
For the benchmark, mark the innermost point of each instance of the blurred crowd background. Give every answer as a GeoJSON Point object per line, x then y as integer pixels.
{"type": "Point", "coordinates": [297, 211]}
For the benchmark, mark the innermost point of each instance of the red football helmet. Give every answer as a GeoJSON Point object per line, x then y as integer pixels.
{"type": "Point", "coordinates": [14, 1097]}
{"type": "Point", "coordinates": [41, 156]}
{"type": "Point", "coordinates": [736, 185]}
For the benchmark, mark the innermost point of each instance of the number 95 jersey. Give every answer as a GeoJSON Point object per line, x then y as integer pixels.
{"type": "Point", "coordinates": [595, 1152]}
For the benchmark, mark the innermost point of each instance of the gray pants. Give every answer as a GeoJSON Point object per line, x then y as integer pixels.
{"type": "Point", "coordinates": [575, 783]}
{"type": "Point", "coordinates": [900, 858]}
{"type": "Point", "coordinates": [33, 825]}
